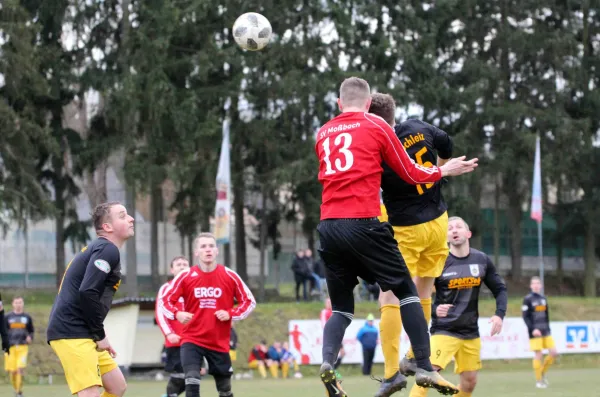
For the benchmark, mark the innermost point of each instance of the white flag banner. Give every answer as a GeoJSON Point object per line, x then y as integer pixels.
{"type": "Point", "coordinates": [223, 206]}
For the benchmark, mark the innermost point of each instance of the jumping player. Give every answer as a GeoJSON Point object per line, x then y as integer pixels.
{"type": "Point", "coordinates": [420, 222]}
{"type": "Point", "coordinates": [454, 329]}
{"type": "Point", "coordinates": [353, 243]}
{"type": "Point", "coordinates": [75, 330]}
{"type": "Point", "coordinates": [535, 315]}
{"type": "Point", "coordinates": [208, 290]}
{"type": "Point", "coordinates": [20, 335]}
{"type": "Point", "coordinates": [171, 329]}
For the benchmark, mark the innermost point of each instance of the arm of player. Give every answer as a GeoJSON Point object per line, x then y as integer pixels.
{"type": "Point", "coordinates": [101, 263]}
{"type": "Point", "coordinates": [169, 301]}
{"type": "Point", "coordinates": [498, 287]}
{"type": "Point", "coordinates": [30, 329]}
{"type": "Point", "coordinates": [442, 143]}
{"type": "Point", "coordinates": [159, 314]}
{"type": "Point", "coordinates": [396, 157]}
{"type": "Point", "coordinates": [244, 297]}
{"type": "Point", "coordinates": [527, 314]}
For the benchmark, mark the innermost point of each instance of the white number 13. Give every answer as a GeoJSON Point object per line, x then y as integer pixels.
{"type": "Point", "coordinates": [348, 157]}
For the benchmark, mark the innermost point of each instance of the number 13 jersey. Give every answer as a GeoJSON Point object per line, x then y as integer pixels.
{"type": "Point", "coordinates": [406, 204]}
{"type": "Point", "coordinates": [351, 148]}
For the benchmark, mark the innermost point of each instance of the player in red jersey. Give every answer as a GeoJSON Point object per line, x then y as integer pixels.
{"type": "Point", "coordinates": [353, 243]}
{"type": "Point", "coordinates": [171, 329]}
{"type": "Point", "coordinates": [208, 290]}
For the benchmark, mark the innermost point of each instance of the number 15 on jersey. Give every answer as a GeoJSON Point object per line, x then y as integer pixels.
{"type": "Point", "coordinates": [342, 155]}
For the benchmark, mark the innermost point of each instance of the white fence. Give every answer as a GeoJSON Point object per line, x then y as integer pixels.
{"type": "Point", "coordinates": [306, 340]}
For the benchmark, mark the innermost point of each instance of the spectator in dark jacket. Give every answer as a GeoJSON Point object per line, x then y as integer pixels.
{"type": "Point", "coordinates": [3, 332]}
{"type": "Point", "coordinates": [302, 274]}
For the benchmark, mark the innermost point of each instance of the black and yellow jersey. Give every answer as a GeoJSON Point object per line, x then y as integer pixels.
{"type": "Point", "coordinates": [408, 204]}
{"type": "Point", "coordinates": [86, 293]}
{"type": "Point", "coordinates": [535, 314]}
{"type": "Point", "coordinates": [459, 286]}
{"type": "Point", "coordinates": [19, 327]}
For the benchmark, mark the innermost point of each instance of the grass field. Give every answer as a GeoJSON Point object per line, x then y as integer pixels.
{"type": "Point", "coordinates": [563, 383]}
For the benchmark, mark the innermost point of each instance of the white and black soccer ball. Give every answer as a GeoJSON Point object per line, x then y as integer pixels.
{"type": "Point", "coordinates": [252, 31]}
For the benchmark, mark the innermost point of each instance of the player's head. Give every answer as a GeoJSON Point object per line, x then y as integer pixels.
{"type": "Point", "coordinates": [328, 304]}
{"type": "Point", "coordinates": [277, 345]}
{"type": "Point", "coordinates": [111, 219]}
{"type": "Point", "coordinates": [18, 303]}
{"type": "Point", "coordinates": [263, 345]}
{"type": "Point", "coordinates": [285, 346]}
{"type": "Point", "coordinates": [355, 95]}
{"type": "Point", "coordinates": [458, 231]}
{"type": "Point", "coordinates": [384, 106]}
{"type": "Point", "coordinates": [300, 253]}
{"type": "Point", "coordinates": [179, 264]}
{"type": "Point", "coordinates": [205, 248]}
{"type": "Point", "coordinates": [308, 252]}
{"type": "Point", "coordinates": [536, 285]}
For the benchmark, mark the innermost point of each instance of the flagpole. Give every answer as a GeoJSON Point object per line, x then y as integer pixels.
{"type": "Point", "coordinates": [541, 254]}
{"type": "Point", "coordinates": [536, 206]}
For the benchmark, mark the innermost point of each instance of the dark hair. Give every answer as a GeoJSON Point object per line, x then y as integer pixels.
{"type": "Point", "coordinates": [178, 258]}
{"type": "Point", "coordinates": [101, 213]}
{"type": "Point", "coordinates": [384, 106]}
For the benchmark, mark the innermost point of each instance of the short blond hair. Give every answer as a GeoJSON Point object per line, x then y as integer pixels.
{"type": "Point", "coordinates": [458, 218]}
{"type": "Point", "coordinates": [204, 235]}
{"type": "Point", "coordinates": [354, 91]}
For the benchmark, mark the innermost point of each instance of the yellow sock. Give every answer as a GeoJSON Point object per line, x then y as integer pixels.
{"type": "Point", "coordinates": [537, 368]}
{"type": "Point", "coordinates": [390, 328]}
{"type": "Point", "coordinates": [107, 394]}
{"type": "Point", "coordinates": [426, 305]}
{"type": "Point", "coordinates": [548, 361]}
{"type": "Point", "coordinates": [285, 370]}
{"type": "Point", "coordinates": [263, 371]}
{"type": "Point", "coordinates": [463, 394]}
{"type": "Point", "coordinates": [274, 370]}
{"type": "Point", "coordinates": [13, 380]}
{"type": "Point", "coordinates": [418, 391]}
{"type": "Point", "coordinates": [296, 366]}
{"type": "Point", "coordinates": [18, 382]}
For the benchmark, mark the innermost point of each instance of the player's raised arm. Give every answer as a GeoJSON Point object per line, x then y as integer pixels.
{"type": "Point", "coordinates": [442, 142]}
{"type": "Point", "coordinates": [101, 263]}
{"type": "Point", "coordinates": [498, 287]}
{"type": "Point", "coordinates": [396, 157]}
{"type": "Point", "coordinates": [171, 296]}
{"type": "Point", "coordinates": [159, 313]}
{"type": "Point", "coordinates": [244, 297]}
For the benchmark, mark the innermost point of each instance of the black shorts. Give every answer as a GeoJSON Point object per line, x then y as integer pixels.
{"type": "Point", "coordinates": [192, 357]}
{"type": "Point", "coordinates": [173, 363]}
{"type": "Point", "coordinates": [363, 248]}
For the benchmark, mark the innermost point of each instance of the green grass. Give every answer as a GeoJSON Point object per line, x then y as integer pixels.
{"type": "Point", "coordinates": [563, 383]}
{"type": "Point", "coordinates": [270, 321]}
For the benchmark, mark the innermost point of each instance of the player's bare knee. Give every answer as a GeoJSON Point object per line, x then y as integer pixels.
{"type": "Point", "coordinates": [539, 355]}
{"type": "Point", "coordinates": [223, 384]}
{"type": "Point", "coordinates": [468, 381]}
{"type": "Point", "coordinates": [424, 286]}
{"type": "Point", "coordinates": [387, 298]}
{"type": "Point", "coordinates": [553, 353]}
{"type": "Point", "coordinates": [114, 382]}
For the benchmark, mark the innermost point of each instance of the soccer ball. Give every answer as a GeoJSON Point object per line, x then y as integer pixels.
{"type": "Point", "coordinates": [252, 31]}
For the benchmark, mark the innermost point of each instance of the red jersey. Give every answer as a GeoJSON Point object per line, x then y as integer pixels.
{"type": "Point", "coordinates": [257, 354]}
{"type": "Point", "coordinates": [167, 325]}
{"type": "Point", "coordinates": [351, 148]}
{"type": "Point", "coordinates": [204, 294]}
{"type": "Point", "coordinates": [325, 315]}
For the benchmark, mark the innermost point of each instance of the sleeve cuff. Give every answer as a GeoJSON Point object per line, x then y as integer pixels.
{"type": "Point", "coordinates": [500, 313]}
{"type": "Point", "coordinates": [98, 335]}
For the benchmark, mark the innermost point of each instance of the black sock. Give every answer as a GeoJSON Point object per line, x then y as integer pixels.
{"type": "Point", "coordinates": [333, 335]}
{"type": "Point", "coordinates": [176, 386]}
{"type": "Point", "coordinates": [415, 326]}
{"type": "Point", "coordinates": [192, 387]}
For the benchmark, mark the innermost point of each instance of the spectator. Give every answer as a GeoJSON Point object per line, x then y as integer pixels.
{"type": "Point", "coordinates": [302, 274]}
{"type": "Point", "coordinates": [258, 359]}
{"type": "Point", "coordinates": [287, 359]}
{"type": "Point", "coordinates": [316, 279]}
{"type": "Point", "coordinates": [367, 336]}
{"type": "Point", "coordinates": [274, 354]}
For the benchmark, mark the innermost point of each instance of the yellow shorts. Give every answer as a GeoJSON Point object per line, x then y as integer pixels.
{"type": "Point", "coordinates": [16, 359]}
{"type": "Point", "coordinates": [541, 343]}
{"type": "Point", "coordinates": [83, 365]}
{"type": "Point", "coordinates": [253, 364]}
{"type": "Point", "coordinates": [233, 355]}
{"type": "Point", "coordinates": [424, 247]}
{"type": "Point", "coordinates": [466, 352]}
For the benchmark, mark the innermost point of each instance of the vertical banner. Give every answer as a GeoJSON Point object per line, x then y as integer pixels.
{"type": "Point", "coordinates": [536, 194]}
{"type": "Point", "coordinates": [223, 205]}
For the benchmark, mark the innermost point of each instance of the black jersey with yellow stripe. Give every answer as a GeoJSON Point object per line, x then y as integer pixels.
{"type": "Point", "coordinates": [408, 204]}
